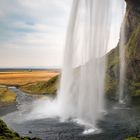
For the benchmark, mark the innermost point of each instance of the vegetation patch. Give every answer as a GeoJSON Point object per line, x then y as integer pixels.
{"type": "Point", "coordinates": [43, 87]}
{"type": "Point", "coordinates": [6, 96]}
{"type": "Point", "coordinates": [111, 84]}
{"type": "Point", "coordinates": [135, 89]}
{"type": "Point", "coordinates": [131, 49]}
{"type": "Point", "coordinates": [133, 138]}
{"type": "Point", "coordinates": [112, 74]}
{"type": "Point", "coordinates": [132, 79]}
{"type": "Point", "coordinates": [19, 78]}
{"type": "Point", "coordinates": [7, 134]}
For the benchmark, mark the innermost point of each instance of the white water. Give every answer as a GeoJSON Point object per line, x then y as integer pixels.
{"type": "Point", "coordinates": [81, 94]}
{"type": "Point", "coordinates": [122, 61]}
{"type": "Point", "coordinates": [82, 84]}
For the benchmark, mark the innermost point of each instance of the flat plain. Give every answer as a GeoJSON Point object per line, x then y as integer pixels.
{"type": "Point", "coordinates": [24, 77]}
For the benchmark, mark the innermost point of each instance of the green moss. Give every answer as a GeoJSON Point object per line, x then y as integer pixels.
{"type": "Point", "coordinates": [131, 49]}
{"type": "Point", "coordinates": [112, 72]}
{"type": "Point", "coordinates": [137, 93]}
{"type": "Point", "coordinates": [113, 59]}
{"type": "Point", "coordinates": [7, 134]}
{"type": "Point", "coordinates": [43, 87]}
{"type": "Point", "coordinates": [132, 63]}
{"type": "Point", "coordinates": [132, 138]}
{"type": "Point", "coordinates": [110, 84]}
{"type": "Point", "coordinates": [136, 84]}
{"type": "Point", "coordinates": [134, 89]}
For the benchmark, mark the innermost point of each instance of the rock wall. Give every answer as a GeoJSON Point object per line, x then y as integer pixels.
{"type": "Point", "coordinates": [132, 54]}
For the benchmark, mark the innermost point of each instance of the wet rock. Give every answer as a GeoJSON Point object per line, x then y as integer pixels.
{"type": "Point", "coordinates": [132, 55]}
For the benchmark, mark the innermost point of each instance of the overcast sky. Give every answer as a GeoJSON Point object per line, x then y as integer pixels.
{"type": "Point", "coordinates": [32, 32]}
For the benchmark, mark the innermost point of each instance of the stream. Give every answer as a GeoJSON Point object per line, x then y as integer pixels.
{"type": "Point", "coordinates": [119, 122]}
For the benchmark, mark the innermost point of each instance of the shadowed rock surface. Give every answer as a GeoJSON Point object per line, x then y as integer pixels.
{"type": "Point", "coordinates": [132, 55]}
{"type": "Point", "coordinates": [7, 134]}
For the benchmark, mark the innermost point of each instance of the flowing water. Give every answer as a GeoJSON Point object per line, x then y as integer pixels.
{"type": "Point", "coordinates": [122, 62]}
{"type": "Point", "coordinates": [82, 83]}
{"type": "Point", "coordinates": [81, 94]}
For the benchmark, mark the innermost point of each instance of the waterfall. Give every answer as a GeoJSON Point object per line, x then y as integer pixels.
{"type": "Point", "coordinates": [122, 61]}
{"type": "Point", "coordinates": [81, 92]}
{"type": "Point", "coordinates": [122, 68]}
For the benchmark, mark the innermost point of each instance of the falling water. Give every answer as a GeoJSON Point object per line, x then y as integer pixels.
{"type": "Point", "coordinates": [82, 84]}
{"type": "Point", "coordinates": [122, 61]}
{"type": "Point", "coordinates": [122, 72]}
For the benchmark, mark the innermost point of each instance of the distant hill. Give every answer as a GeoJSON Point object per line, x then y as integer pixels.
{"type": "Point", "coordinates": [29, 69]}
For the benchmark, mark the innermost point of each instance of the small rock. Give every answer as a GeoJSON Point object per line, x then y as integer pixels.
{"type": "Point", "coordinates": [30, 132]}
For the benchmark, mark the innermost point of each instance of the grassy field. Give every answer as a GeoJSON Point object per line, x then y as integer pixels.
{"type": "Point", "coordinates": [19, 78]}
{"type": "Point", "coordinates": [6, 96]}
{"type": "Point", "coordinates": [32, 82]}
{"type": "Point", "coordinates": [42, 87]}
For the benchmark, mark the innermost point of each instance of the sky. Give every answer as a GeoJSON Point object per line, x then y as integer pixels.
{"type": "Point", "coordinates": [32, 32]}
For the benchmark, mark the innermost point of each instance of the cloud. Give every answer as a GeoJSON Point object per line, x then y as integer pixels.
{"type": "Point", "coordinates": [35, 27]}
{"type": "Point", "coordinates": [32, 32]}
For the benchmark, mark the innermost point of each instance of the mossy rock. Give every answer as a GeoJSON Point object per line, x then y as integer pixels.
{"type": "Point", "coordinates": [132, 51]}
{"type": "Point", "coordinates": [110, 87]}
{"type": "Point", "coordinates": [43, 87]}
{"type": "Point", "coordinates": [112, 74]}
{"type": "Point", "coordinates": [133, 138]}
{"type": "Point", "coordinates": [7, 134]}
{"type": "Point", "coordinates": [134, 89]}
{"type": "Point", "coordinates": [132, 57]}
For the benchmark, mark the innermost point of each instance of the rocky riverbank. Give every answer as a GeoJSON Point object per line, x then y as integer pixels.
{"type": "Point", "coordinates": [7, 134]}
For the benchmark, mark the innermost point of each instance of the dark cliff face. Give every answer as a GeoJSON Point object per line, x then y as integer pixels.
{"type": "Point", "coordinates": [132, 54]}
{"type": "Point", "coordinates": [133, 3]}
{"type": "Point", "coordinates": [132, 29]}
{"type": "Point", "coordinates": [132, 17]}
{"type": "Point", "coordinates": [132, 23]}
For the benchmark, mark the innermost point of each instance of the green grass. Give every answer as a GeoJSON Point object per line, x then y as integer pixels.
{"type": "Point", "coordinates": [43, 87]}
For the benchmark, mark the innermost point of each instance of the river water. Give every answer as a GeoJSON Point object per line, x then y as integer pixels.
{"type": "Point", "coordinates": [119, 122]}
